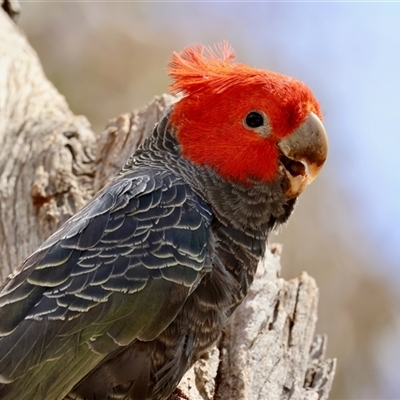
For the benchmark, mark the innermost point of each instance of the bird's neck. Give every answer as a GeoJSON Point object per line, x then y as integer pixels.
{"type": "Point", "coordinates": [243, 214]}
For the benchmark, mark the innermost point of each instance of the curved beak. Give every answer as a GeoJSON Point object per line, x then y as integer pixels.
{"type": "Point", "coordinates": [303, 154]}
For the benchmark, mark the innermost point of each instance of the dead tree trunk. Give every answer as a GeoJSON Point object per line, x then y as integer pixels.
{"type": "Point", "coordinates": [51, 163]}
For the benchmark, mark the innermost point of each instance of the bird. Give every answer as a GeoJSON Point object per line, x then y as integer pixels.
{"type": "Point", "coordinates": [124, 298]}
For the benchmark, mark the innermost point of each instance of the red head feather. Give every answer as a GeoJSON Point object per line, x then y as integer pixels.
{"type": "Point", "coordinates": [218, 94]}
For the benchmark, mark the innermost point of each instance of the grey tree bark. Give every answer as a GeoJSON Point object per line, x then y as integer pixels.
{"type": "Point", "coordinates": [51, 163]}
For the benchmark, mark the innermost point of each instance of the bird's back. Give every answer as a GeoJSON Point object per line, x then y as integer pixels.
{"type": "Point", "coordinates": [116, 274]}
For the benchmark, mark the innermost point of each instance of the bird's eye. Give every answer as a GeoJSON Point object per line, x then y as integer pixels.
{"type": "Point", "coordinates": [254, 119]}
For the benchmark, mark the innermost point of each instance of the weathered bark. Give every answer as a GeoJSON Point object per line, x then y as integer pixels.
{"type": "Point", "coordinates": [268, 350]}
{"type": "Point", "coordinates": [46, 152]}
{"type": "Point", "coordinates": [51, 163]}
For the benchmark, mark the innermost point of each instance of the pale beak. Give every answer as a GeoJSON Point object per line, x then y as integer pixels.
{"type": "Point", "coordinates": [303, 154]}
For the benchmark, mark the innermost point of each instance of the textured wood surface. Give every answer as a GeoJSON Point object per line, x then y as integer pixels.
{"type": "Point", "coordinates": [51, 163]}
{"type": "Point", "coordinates": [269, 350]}
{"type": "Point", "coordinates": [46, 152]}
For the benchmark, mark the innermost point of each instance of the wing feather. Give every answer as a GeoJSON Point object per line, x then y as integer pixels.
{"type": "Point", "coordinates": [118, 270]}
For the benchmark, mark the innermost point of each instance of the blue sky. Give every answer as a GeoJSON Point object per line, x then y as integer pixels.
{"type": "Point", "coordinates": [356, 47]}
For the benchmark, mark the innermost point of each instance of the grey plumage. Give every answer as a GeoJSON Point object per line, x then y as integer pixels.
{"type": "Point", "coordinates": [121, 301]}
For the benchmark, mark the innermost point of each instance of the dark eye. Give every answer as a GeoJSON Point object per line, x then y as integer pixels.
{"type": "Point", "coordinates": [254, 119]}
